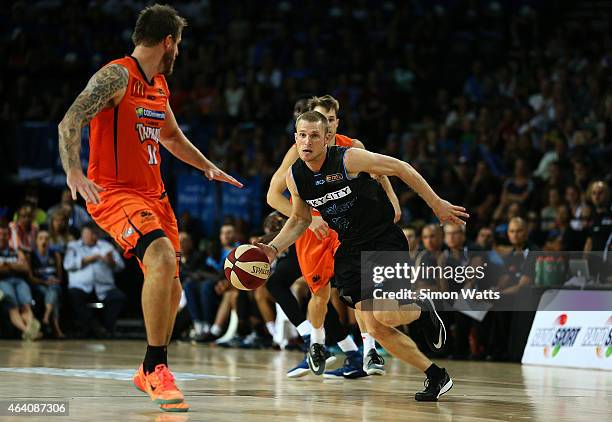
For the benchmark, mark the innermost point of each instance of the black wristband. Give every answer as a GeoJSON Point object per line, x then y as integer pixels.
{"type": "Point", "coordinates": [275, 248]}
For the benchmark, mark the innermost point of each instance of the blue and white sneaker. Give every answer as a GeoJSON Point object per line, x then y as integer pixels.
{"type": "Point", "coordinates": [302, 368]}
{"type": "Point", "coordinates": [352, 367]}
{"type": "Point", "coordinates": [374, 364]}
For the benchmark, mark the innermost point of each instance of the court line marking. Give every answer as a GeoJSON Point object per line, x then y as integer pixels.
{"type": "Point", "coordinates": [118, 374]}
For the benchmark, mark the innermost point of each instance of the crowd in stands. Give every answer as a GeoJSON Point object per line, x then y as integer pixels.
{"type": "Point", "coordinates": [502, 106]}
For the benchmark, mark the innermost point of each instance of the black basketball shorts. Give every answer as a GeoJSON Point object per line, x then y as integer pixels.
{"type": "Point", "coordinates": [347, 264]}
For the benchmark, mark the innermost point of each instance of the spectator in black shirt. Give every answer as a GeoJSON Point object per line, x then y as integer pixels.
{"type": "Point", "coordinates": [519, 263]}
{"type": "Point", "coordinates": [517, 273]}
{"type": "Point", "coordinates": [456, 255]}
{"type": "Point", "coordinates": [413, 242]}
{"type": "Point", "coordinates": [193, 274]}
{"type": "Point", "coordinates": [563, 237]}
{"type": "Point", "coordinates": [483, 192]}
{"type": "Point", "coordinates": [601, 218]}
{"type": "Point", "coordinates": [432, 248]}
{"type": "Point", "coordinates": [598, 239]}
{"type": "Point", "coordinates": [518, 188]}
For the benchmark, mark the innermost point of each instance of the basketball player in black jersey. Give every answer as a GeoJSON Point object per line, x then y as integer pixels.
{"type": "Point", "coordinates": [337, 182]}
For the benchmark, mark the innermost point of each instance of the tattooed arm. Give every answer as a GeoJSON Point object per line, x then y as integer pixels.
{"type": "Point", "coordinates": [105, 89]}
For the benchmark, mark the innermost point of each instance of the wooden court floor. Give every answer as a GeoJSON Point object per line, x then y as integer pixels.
{"type": "Point", "coordinates": [242, 385]}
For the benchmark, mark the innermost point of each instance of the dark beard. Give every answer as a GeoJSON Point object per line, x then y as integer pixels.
{"type": "Point", "coordinates": [167, 63]}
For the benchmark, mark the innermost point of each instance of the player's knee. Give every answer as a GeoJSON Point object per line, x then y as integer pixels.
{"type": "Point", "coordinates": [160, 257]}
{"type": "Point", "coordinates": [377, 330]}
{"type": "Point", "coordinates": [410, 316]}
{"type": "Point", "coordinates": [386, 318]}
{"type": "Point", "coordinates": [319, 301]}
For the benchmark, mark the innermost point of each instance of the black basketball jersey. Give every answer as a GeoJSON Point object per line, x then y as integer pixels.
{"type": "Point", "coordinates": [356, 208]}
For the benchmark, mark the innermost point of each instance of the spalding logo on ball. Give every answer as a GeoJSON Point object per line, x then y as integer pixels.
{"type": "Point", "coordinates": [247, 267]}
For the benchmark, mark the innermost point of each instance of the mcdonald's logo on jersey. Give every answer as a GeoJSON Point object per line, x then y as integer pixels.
{"type": "Point", "coordinates": [138, 89]}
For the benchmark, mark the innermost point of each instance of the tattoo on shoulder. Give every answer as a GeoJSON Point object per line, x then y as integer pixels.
{"type": "Point", "coordinates": [100, 89]}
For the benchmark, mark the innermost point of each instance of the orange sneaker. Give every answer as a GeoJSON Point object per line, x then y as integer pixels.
{"type": "Point", "coordinates": [177, 407]}
{"type": "Point", "coordinates": [159, 385]}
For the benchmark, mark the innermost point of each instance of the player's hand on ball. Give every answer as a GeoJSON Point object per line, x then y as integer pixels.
{"type": "Point", "coordinates": [77, 182]}
{"type": "Point", "coordinates": [268, 250]}
{"type": "Point", "coordinates": [215, 173]}
{"type": "Point", "coordinates": [319, 227]}
{"type": "Point", "coordinates": [449, 213]}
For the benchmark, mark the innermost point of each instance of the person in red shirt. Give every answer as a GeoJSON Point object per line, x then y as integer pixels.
{"type": "Point", "coordinates": [126, 105]}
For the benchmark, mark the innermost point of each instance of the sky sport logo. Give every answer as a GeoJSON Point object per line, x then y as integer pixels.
{"type": "Point", "coordinates": [600, 338]}
{"type": "Point", "coordinates": [553, 339]}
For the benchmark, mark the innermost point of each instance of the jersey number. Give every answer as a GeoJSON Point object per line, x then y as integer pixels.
{"type": "Point", "coordinates": [152, 154]}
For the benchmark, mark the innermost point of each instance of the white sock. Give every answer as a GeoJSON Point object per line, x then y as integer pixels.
{"type": "Point", "coordinates": [215, 330]}
{"type": "Point", "coordinates": [304, 328]}
{"type": "Point", "coordinates": [348, 344]}
{"type": "Point", "coordinates": [368, 343]}
{"type": "Point", "coordinates": [271, 326]}
{"type": "Point", "coordinates": [198, 327]}
{"type": "Point", "coordinates": [317, 335]}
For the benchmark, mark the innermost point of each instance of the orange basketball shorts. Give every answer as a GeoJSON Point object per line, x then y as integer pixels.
{"type": "Point", "coordinates": [316, 258]}
{"type": "Point", "coordinates": [128, 217]}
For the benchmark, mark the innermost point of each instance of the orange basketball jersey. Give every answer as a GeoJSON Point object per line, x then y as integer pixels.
{"type": "Point", "coordinates": [124, 140]}
{"type": "Point", "coordinates": [343, 141]}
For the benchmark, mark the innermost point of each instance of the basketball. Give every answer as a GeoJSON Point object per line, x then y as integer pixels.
{"type": "Point", "coordinates": [247, 267]}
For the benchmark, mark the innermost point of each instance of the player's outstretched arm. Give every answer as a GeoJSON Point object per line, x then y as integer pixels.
{"type": "Point", "coordinates": [175, 141]}
{"type": "Point", "coordinates": [278, 184]}
{"type": "Point", "coordinates": [357, 160]}
{"type": "Point", "coordinates": [298, 222]}
{"type": "Point", "coordinates": [105, 89]}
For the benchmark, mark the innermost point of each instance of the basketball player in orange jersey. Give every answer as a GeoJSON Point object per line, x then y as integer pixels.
{"type": "Point", "coordinates": [126, 105]}
{"type": "Point", "coordinates": [315, 251]}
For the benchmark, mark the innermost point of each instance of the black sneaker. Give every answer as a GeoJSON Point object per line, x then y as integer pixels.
{"type": "Point", "coordinates": [433, 390]}
{"type": "Point", "coordinates": [433, 328]}
{"type": "Point", "coordinates": [374, 364]}
{"type": "Point", "coordinates": [316, 358]}
{"type": "Point", "coordinates": [206, 338]}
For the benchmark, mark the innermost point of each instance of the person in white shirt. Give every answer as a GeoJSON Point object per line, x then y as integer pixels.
{"type": "Point", "coordinates": [91, 263]}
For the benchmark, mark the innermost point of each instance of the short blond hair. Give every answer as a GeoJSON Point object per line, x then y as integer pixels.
{"type": "Point", "coordinates": [326, 101]}
{"type": "Point", "coordinates": [313, 117]}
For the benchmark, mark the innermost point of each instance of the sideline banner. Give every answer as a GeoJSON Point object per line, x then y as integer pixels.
{"type": "Point", "coordinates": [572, 338]}
{"type": "Point", "coordinates": [196, 195]}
